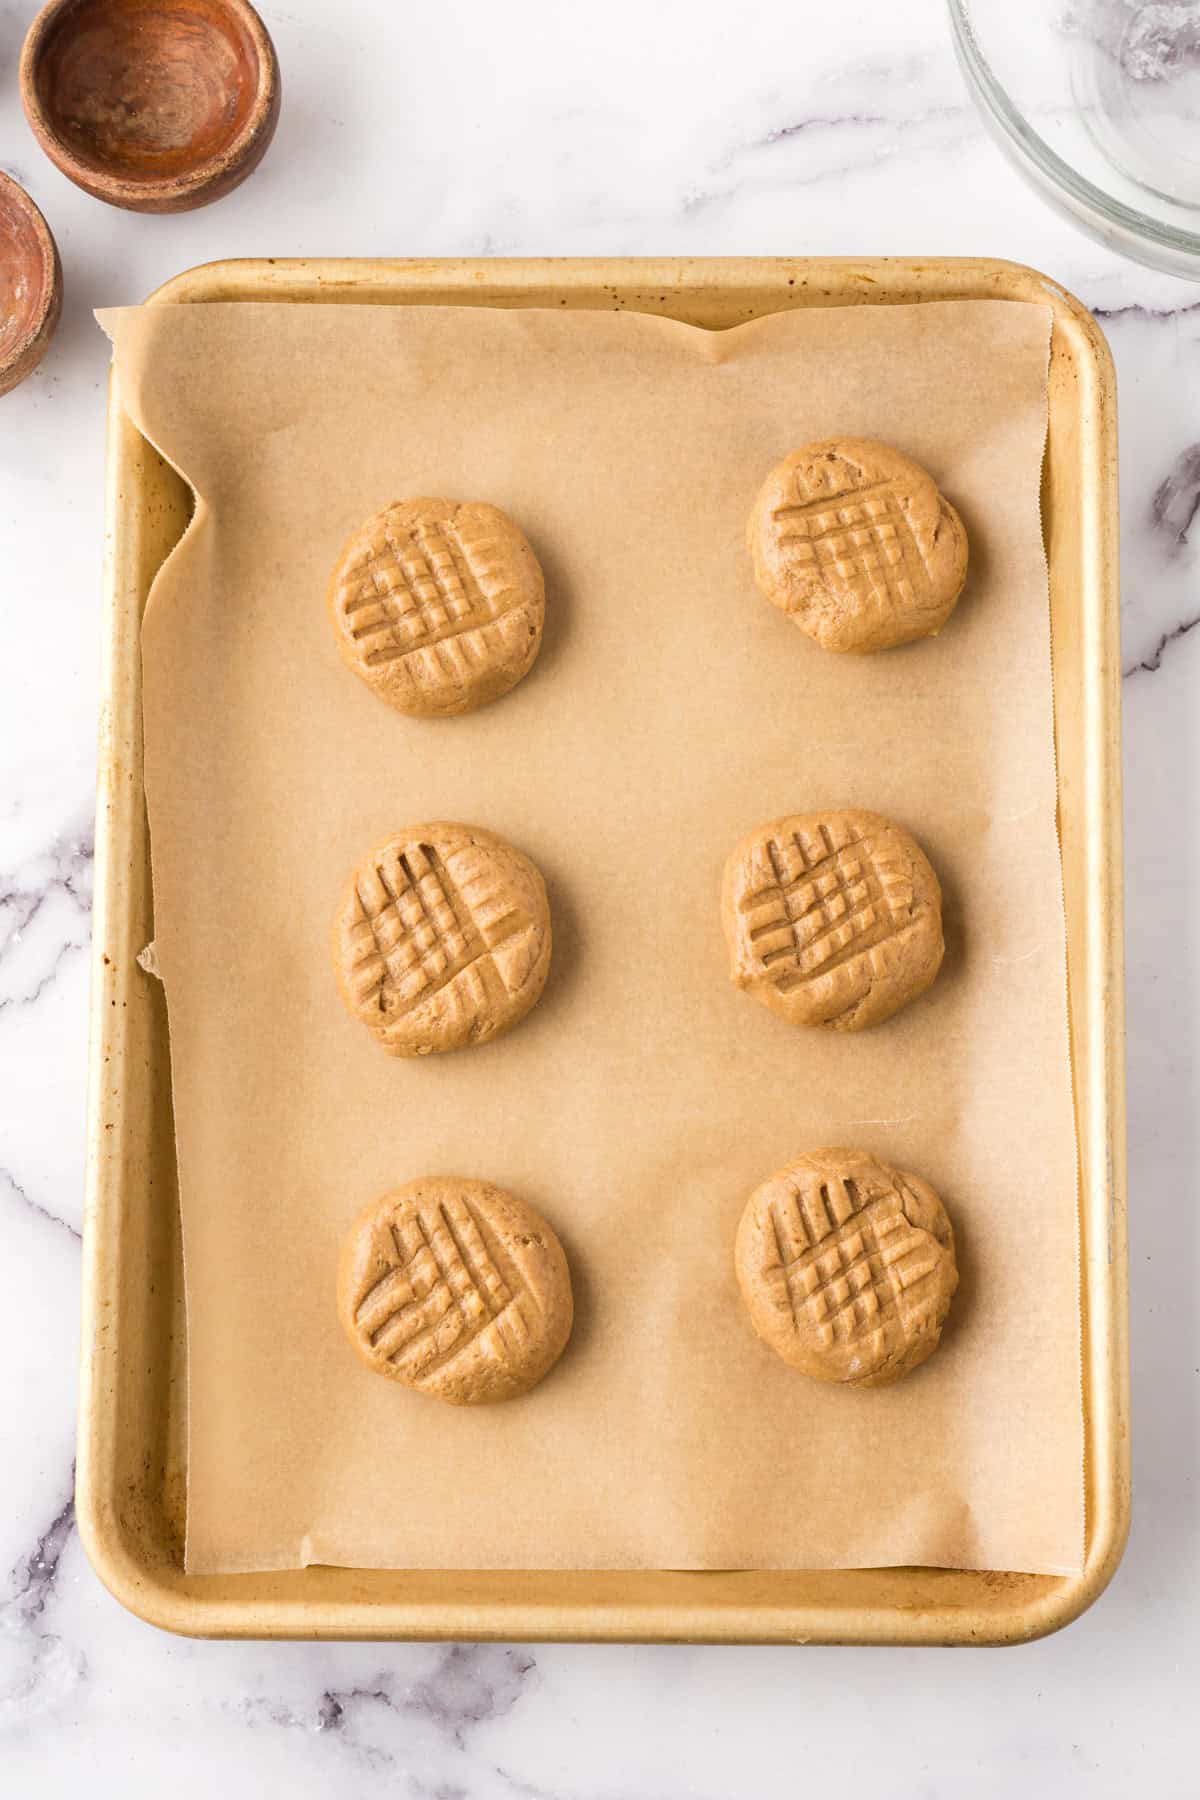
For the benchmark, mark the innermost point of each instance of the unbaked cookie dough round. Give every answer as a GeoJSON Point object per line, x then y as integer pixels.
{"type": "Point", "coordinates": [442, 939]}
{"type": "Point", "coordinates": [853, 541]}
{"type": "Point", "coordinates": [438, 605]}
{"type": "Point", "coordinates": [832, 918]}
{"type": "Point", "coordinates": [847, 1267]}
{"type": "Point", "coordinates": [457, 1289]}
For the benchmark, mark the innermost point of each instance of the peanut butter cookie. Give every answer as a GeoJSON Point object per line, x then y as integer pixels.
{"type": "Point", "coordinates": [442, 939]}
{"type": "Point", "coordinates": [455, 1288]}
{"type": "Point", "coordinates": [832, 918]}
{"type": "Point", "coordinates": [855, 543]}
{"type": "Point", "coordinates": [846, 1267]}
{"type": "Point", "coordinates": [438, 605]}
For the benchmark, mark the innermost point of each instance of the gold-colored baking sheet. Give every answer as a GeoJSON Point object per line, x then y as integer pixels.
{"type": "Point", "coordinates": [131, 1475]}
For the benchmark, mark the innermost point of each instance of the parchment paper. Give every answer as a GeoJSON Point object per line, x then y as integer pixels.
{"type": "Point", "coordinates": [671, 710]}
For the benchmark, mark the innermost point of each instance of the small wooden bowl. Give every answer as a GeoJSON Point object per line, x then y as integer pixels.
{"type": "Point", "coordinates": [30, 285]}
{"type": "Point", "coordinates": [154, 105]}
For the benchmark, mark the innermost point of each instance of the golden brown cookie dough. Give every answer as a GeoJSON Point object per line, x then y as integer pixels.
{"type": "Point", "coordinates": [846, 1267]}
{"type": "Point", "coordinates": [455, 1288]}
{"type": "Point", "coordinates": [832, 918]}
{"type": "Point", "coordinates": [438, 605]}
{"type": "Point", "coordinates": [442, 939]}
{"type": "Point", "coordinates": [855, 543]}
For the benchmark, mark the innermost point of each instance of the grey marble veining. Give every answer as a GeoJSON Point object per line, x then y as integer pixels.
{"type": "Point", "coordinates": [470, 1685]}
{"type": "Point", "coordinates": [45, 910]}
{"type": "Point", "coordinates": [530, 129]}
{"type": "Point", "coordinates": [45, 1670]}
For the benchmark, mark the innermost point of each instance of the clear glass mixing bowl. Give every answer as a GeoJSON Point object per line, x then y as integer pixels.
{"type": "Point", "coordinates": [1098, 102]}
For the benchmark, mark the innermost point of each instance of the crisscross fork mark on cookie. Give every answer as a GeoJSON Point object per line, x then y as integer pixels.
{"type": "Point", "coordinates": [827, 910]}
{"type": "Point", "coordinates": [421, 934]}
{"type": "Point", "coordinates": [445, 1287]}
{"type": "Point", "coordinates": [858, 1270]}
{"type": "Point", "coordinates": [421, 588]}
{"type": "Point", "coordinates": [861, 538]}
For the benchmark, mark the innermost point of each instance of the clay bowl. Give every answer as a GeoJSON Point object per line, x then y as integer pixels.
{"type": "Point", "coordinates": [30, 285]}
{"type": "Point", "coordinates": [154, 105]}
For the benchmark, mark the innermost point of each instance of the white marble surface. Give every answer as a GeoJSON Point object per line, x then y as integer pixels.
{"type": "Point", "coordinates": [531, 127]}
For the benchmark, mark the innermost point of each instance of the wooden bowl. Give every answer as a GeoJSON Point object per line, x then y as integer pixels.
{"type": "Point", "coordinates": [154, 105]}
{"type": "Point", "coordinates": [30, 285]}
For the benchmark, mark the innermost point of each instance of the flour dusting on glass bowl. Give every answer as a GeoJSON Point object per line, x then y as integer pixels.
{"type": "Point", "coordinates": [1098, 101]}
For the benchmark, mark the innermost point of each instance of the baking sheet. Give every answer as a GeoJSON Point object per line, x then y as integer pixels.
{"type": "Point", "coordinates": [670, 710]}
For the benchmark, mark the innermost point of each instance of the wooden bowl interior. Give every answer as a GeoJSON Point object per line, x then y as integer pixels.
{"type": "Point", "coordinates": [147, 89]}
{"type": "Point", "coordinates": [26, 272]}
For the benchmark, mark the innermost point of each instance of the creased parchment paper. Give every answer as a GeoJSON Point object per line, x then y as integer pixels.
{"type": "Point", "coordinates": [671, 709]}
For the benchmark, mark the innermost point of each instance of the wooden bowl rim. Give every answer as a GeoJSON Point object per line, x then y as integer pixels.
{"type": "Point", "coordinates": [42, 323]}
{"type": "Point", "coordinates": [106, 184]}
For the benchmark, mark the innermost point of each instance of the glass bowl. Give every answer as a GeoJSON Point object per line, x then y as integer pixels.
{"type": "Point", "coordinates": [1098, 103]}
